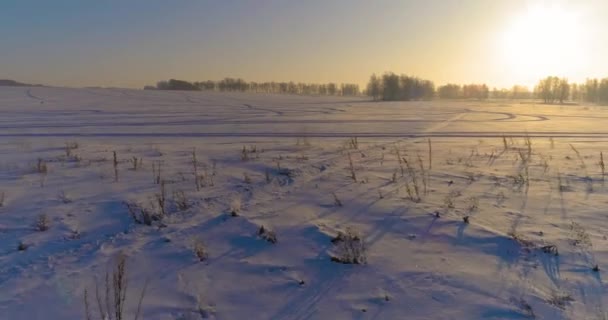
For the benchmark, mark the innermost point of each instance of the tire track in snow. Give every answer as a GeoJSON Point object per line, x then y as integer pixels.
{"type": "Point", "coordinates": [301, 306]}
{"type": "Point", "coordinates": [29, 93]}
{"type": "Point", "coordinates": [308, 134]}
{"type": "Point", "coordinates": [249, 106]}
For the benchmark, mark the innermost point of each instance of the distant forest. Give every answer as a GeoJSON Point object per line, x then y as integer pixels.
{"type": "Point", "coordinates": [393, 87]}
{"type": "Point", "coordinates": [13, 83]}
{"type": "Point", "coordinates": [240, 85]}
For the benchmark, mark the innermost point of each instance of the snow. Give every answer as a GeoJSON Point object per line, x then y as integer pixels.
{"type": "Point", "coordinates": [423, 260]}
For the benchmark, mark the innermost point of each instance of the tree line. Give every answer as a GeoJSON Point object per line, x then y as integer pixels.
{"type": "Point", "coordinates": [393, 87]}
{"type": "Point", "coordinates": [554, 89]}
{"type": "Point", "coordinates": [240, 85]}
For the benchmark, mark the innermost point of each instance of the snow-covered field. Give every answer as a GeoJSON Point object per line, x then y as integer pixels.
{"type": "Point", "coordinates": [305, 168]}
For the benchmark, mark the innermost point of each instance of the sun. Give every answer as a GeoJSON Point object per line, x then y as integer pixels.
{"type": "Point", "coordinates": [544, 40]}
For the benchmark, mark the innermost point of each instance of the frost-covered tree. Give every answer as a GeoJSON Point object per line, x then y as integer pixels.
{"type": "Point", "coordinates": [450, 91]}
{"type": "Point", "coordinates": [374, 87]}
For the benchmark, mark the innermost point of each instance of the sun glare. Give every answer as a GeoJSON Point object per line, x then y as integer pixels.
{"type": "Point", "coordinates": [545, 40]}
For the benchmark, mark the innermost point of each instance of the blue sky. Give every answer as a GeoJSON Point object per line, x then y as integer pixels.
{"type": "Point", "coordinates": [136, 42]}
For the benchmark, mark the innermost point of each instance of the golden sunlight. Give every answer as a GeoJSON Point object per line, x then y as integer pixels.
{"type": "Point", "coordinates": [545, 39]}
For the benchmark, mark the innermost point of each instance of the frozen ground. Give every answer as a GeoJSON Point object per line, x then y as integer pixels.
{"type": "Point", "coordinates": [536, 192]}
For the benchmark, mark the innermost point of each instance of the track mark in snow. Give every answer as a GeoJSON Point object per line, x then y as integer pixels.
{"type": "Point", "coordinates": [31, 95]}
{"type": "Point", "coordinates": [278, 113]}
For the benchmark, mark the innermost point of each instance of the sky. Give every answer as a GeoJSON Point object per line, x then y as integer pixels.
{"type": "Point", "coordinates": [131, 43]}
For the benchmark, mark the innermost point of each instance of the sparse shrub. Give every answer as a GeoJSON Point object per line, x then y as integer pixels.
{"type": "Point", "coordinates": [161, 199]}
{"type": "Point", "coordinates": [337, 201]}
{"type": "Point", "coordinates": [400, 161]}
{"type": "Point", "coordinates": [64, 197]}
{"type": "Point", "coordinates": [470, 177]}
{"type": "Point", "coordinates": [519, 181]}
{"type": "Point", "coordinates": [200, 250]}
{"type": "Point", "coordinates": [351, 168]}
{"type": "Point", "coordinates": [22, 246]}
{"type": "Point", "coordinates": [74, 235]}
{"type": "Point", "coordinates": [430, 154]}
{"type": "Point", "coordinates": [560, 299]}
{"type": "Point", "coordinates": [303, 141]}
{"type": "Point", "coordinates": [561, 187]}
{"type": "Point", "coordinates": [472, 204]}
{"type": "Point", "coordinates": [528, 143]}
{"type": "Point", "coordinates": [140, 214]}
{"type": "Point", "coordinates": [115, 164]}
{"type": "Point", "coordinates": [580, 158]}
{"type": "Point", "coordinates": [69, 147]}
{"type": "Point", "coordinates": [268, 235]}
{"type": "Point", "coordinates": [180, 200]}
{"type": "Point", "coordinates": [235, 207]}
{"type": "Point", "coordinates": [136, 162]}
{"type": "Point", "coordinates": [448, 202]}
{"type": "Point", "coordinates": [246, 178]}
{"type": "Point", "coordinates": [520, 239]}
{"type": "Point", "coordinates": [244, 154]}
{"type": "Point", "coordinates": [350, 248]}
{"type": "Point", "coordinates": [42, 169]}
{"type": "Point", "coordinates": [42, 222]}
{"type": "Point", "coordinates": [545, 165]}
{"type": "Point", "coordinates": [424, 175]}
{"type": "Point", "coordinates": [411, 184]}
{"type": "Point", "coordinates": [111, 299]}
{"type": "Point", "coordinates": [580, 236]}
{"type": "Point", "coordinates": [353, 143]}
{"type": "Point", "coordinates": [156, 171]}
{"type": "Point", "coordinates": [550, 249]}
{"type": "Point", "coordinates": [602, 165]}
{"type": "Point", "coordinates": [195, 170]}
{"type": "Point", "coordinates": [525, 307]}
